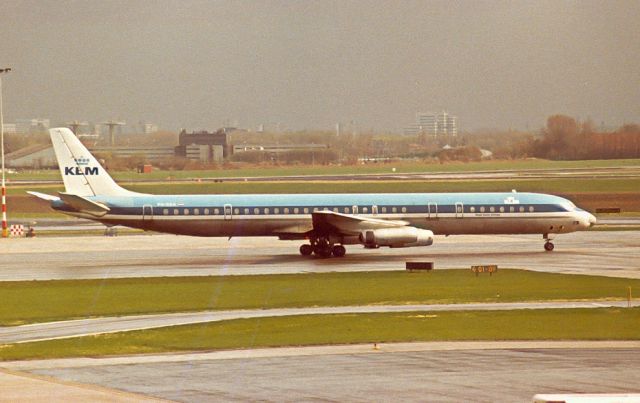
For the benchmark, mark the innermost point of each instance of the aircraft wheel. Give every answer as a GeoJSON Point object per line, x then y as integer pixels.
{"type": "Point", "coordinates": [548, 246]}
{"type": "Point", "coordinates": [306, 250]}
{"type": "Point", "coordinates": [322, 251]}
{"type": "Point", "coordinates": [338, 251]}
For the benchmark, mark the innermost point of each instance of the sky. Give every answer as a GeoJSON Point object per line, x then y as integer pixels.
{"type": "Point", "coordinates": [307, 65]}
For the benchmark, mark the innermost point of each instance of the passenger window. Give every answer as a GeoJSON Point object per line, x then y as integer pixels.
{"type": "Point", "coordinates": [186, 211]}
{"type": "Point", "coordinates": [492, 209]}
{"type": "Point", "coordinates": [512, 209]}
{"type": "Point", "coordinates": [394, 209]}
{"type": "Point", "coordinates": [206, 211]}
{"type": "Point", "coordinates": [502, 209]}
{"type": "Point", "coordinates": [196, 211]}
{"type": "Point", "coordinates": [364, 210]}
{"type": "Point", "coordinates": [482, 210]}
{"type": "Point", "coordinates": [346, 209]}
{"type": "Point", "coordinates": [296, 210]}
{"type": "Point", "coordinates": [216, 211]}
{"type": "Point", "coordinates": [384, 209]}
{"type": "Point", "coordinates": [404, 209]}
{"type": "Point", "coordinates": [165, 211]}
{"type": "Point", "coordinates": [276, 210]}
{"type": "Point", "coordinates": [236, 211]}
{"type": "Point", "coordinates": [531, 209]}
{"type": "Point", "coordinates": [266, 211]}
{"type": "Point", "coordinates": [472, 209]}
{"type": "Point", "coordinates": [335, 209]}
{"type": "Point", "coordinates": [306, 210]}
{"type": "Point", "coordinates": [522, 209]}
{"type": "Point", "coordinates": [286, 210]}
{"type": "Point", "coordinates": [176, 211]}
{"type": "Point", "coordinates": [256, 211]}
{"type": "Point", "coordinates": [315, 209]}
{"type": "Point", "coordinates": [246, 211]}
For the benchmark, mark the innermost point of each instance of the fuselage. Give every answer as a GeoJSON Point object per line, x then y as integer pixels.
{"type": "Point", "coordinates": [286, 215]}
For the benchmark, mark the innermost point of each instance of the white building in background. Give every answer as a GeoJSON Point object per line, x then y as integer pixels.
{"type": "Point", "coordinates": [32, 125]}
{"type": "Point", "coordinates": [434, 124]}
{"type": "Point", "coordinates": [10, 128]}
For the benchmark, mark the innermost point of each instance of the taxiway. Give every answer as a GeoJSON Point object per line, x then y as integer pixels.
{"type": "Point", "coordinates": [609, 253]}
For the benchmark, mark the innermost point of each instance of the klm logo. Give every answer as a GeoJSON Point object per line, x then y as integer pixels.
{"type": "Point", "coordinates": [82, 168]}
{"type": "Point", "coordinates": [81, 171]}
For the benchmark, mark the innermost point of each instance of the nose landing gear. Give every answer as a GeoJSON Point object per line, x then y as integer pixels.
{"type": "Point", "coordinates": [548, 245]}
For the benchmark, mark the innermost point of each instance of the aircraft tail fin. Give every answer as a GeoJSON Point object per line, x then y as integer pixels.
{"type": "Point", "coordinates": [81, 172]}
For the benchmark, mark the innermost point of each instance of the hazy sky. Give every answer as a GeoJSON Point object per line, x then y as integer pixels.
{"type": "Point", "coordinates": [310, 64]}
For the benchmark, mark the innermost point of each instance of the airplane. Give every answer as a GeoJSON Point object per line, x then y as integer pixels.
{"type": "Point", "coordinates": [326, 222]}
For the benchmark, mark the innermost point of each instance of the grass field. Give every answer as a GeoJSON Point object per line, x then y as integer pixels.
{"type": "Point", "coordinates": [401, 167]}
{"type": "Point", "coordinates": [304, 330]}
{"type": "Point", "coordinates": [40, 301]}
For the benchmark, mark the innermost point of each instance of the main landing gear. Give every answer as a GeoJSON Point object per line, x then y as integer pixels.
{"type": "Point", "coordinates": [322, 248]}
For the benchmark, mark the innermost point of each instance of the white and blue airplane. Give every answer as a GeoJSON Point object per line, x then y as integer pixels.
{"type": "Point", "coordinates": [326, 221]}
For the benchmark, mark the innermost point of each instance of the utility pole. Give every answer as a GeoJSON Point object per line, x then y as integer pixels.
{"type": "Point", "coordinates": [5, 231]}
{"type": "Point", "coordinates": [74, 125]}
{"type": "Point", "coordinates": [111, 124]}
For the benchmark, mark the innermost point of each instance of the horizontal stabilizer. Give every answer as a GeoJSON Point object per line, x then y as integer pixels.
{"type": "Point", "coordinates": [43, 196]}
{"type": "Point", "coordinates": [84, 205]}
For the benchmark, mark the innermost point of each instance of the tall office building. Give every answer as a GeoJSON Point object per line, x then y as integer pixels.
{"type": "Point", "coordinates": [434, 124]}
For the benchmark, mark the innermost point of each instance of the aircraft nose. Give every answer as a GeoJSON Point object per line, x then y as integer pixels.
{"type": "Point", "coordinates": [592, 220]}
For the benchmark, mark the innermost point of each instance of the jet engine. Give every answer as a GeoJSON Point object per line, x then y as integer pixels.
{"type": "Point", "coordinates": [400, 237]}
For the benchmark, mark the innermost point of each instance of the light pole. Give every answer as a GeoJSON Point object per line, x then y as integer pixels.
{"type": "Point", "coordinates": [5, 232]}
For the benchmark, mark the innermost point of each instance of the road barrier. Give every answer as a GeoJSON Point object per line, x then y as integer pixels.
{"type": "Point", "coordinates": [419, 266]}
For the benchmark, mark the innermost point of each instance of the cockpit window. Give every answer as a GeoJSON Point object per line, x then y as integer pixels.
{"type": "Point", "coordinates": [568, 206]}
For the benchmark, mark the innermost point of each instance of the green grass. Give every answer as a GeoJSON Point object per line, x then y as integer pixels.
{"type": "Point", "coordinates": [304, 330]}
{"type": "Point", "coordinates": [556, 186]}
{"type": "Point", "coordinates": [40, 301]}
{"type": "Point", "coordinates": [401, 167]}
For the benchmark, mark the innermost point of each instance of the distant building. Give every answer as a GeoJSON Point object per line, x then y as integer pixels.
{"type": "Point", "coordinates": [149, 153]}
{"type": "Point", "coordinates": [9, 128]}
{"type": "Point", "coordinates": [276, 148]}
{"type": "Point", "coordinates": [203, 146]}
{"type": "Point", "coordinates": [32, 157]}
{"type": "Point", "coordinates": [32, 125]}
{"type": "Point", "coordinates": [148, 128]}
{"type": "Point", "coordinates": [434, 124]}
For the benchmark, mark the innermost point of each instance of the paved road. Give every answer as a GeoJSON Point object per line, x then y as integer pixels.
{"type": "Point", "coordinates": [611, 253]}
{"type": "Point", "coordinates": [434, 372]}
{"type": "Point", "coordinates": [84, 327]}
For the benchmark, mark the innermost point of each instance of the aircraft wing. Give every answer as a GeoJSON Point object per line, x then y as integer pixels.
{"type": "Point", "coordinates": [346, 224]}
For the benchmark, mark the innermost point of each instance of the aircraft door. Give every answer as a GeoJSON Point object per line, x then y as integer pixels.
{"type": "Point", "coordinates": [228, 211]}
{"type": "Point", "coordinates": [354, 209]}
{"type": "Point", "coordinates": [147, 212]}
{"type": "Point", "coordinates": [433, 210]}
{"type": "Point", "coordinates": [459, 210]}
